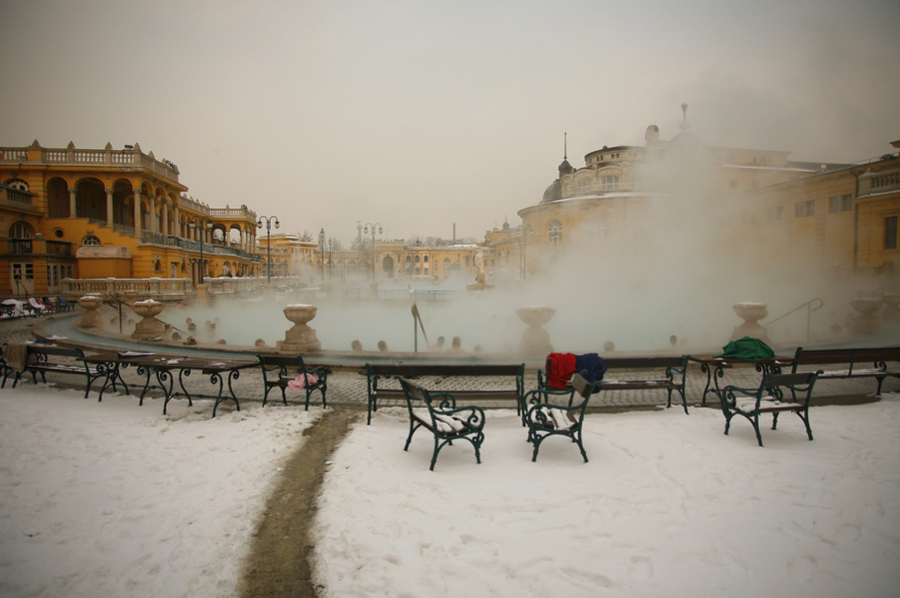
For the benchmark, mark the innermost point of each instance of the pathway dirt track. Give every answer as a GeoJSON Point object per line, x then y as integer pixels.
{"type": "Point", "coordinates": [278, 564]}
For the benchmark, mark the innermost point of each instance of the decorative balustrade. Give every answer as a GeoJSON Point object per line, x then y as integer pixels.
{"type": "Point", "coordinates": [59, 248]}
{"type": "Point", "coordinates": [886, 181]}
{"type": "Point", "coordinates": [152, 238]}
{"type": "Point", "coordinates": [104, 157]}
{"type": "Point", "coordinates": [16, 196]}
{"type": "Point", "coordinates": [227, 212]}
{"type": "Point", "coordinates": [167, 289]}
{"type": "Point", "coordinates": [141, 288]}
{"type": "Point", "coordinates": [881, 182]}
{"type": "Point", "coordinates": [190, 203]}
{"type": "Point", "coordinates": [20, 246]}
{"type": "Point", "coordinates": [8, 154]}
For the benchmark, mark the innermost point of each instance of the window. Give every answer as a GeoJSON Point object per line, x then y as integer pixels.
{"type": "Point", "coordinates": [890, 232]}
{"type": "Point", "coordinates": [17, 184]}
{"type": "Point", "coordinates": [584, 186]}
{"type": "Point", "coordinates": [840, 203]}
{"type": "Point", "coordinates": [90, 240]}
{"type": "Point", "coordinates": [775, 213]}
{"type": "Point", "coordinates": [609, 183]}
{"type": "Point", "coordinates": [554, 232]}
{"type": "Point", "coordinates": [19, 268]}
{"type": "Point", "coordinates": [805, 208]}
{"type": "Point", "coordinates": [19, 230]}
{"type": "Point", "coordinates": [598, 228]}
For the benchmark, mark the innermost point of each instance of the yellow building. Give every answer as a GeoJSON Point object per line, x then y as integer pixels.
{"type": "Point", "coordinates": [845, 218]}
{"type": "Point", "coordinates": [829, 214]}
{"type": "Point", "coordinates": [82, 213]}
{"type": "Point", "coordinates": [288, 254]}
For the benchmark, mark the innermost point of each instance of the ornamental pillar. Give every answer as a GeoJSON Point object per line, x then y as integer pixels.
{"type": "Point", "coordinates": [137, 212]}
{"type": "Point", "coordinates": [109, 207]}
{"type": "Point", "coordinates": [152, 225]}
{"type": "Point", "coordinates": [73, 203]}
{"type": "Point", "coordinates": [164, 215]}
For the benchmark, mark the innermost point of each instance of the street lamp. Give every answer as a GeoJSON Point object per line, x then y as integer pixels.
{"type": "Point", "coordinates": [322, 251]}
{"type": "Point", "coordinates": [373, 226]}
{"type": "Point", "coordinates": [259, 224]}
{"type": "Point", "coordinates": [203, 224]}
{"type": "Point", "coordinates": [330, 262]}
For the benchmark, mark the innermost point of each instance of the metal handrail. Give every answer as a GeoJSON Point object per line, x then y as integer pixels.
{"type": "Point", "coordinates": [809, 310]}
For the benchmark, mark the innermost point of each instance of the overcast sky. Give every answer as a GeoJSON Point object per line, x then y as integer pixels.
{"type": "Point", "coordinates": [418, 114]}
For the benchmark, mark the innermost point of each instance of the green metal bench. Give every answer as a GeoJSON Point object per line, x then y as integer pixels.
{"type": "Point", "coordinates": [514, 374]}
{"type": "Point", "coordinates": [43, 358]}
{"type": "Point", "coordinates": [770, 397]}
{"type": "Point", "coordinates": [545, 419]}
{"type": "Point", "coordinates": [672, 374]}
{"type": "Point", "coordinates": [861, 363]}
{"type": "Point", "coordinates": [445, 421]}
{"type": "Point", "coordinates": [278, 370]}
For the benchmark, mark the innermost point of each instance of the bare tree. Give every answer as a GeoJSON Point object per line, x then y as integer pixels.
{"type": "Point", "coordinates": [361, 244]}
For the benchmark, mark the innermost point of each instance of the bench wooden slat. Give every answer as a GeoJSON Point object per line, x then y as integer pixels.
{"type": "Point", "coordinates": [275, 372]}
{"type": "Point", "coordinates": [376, 372]}
{"type": "Point", "coordinates": [674, 368]}
{"type": "Point", "coordinates": [872, 362]}
{"type": "Point", "coordinates": [750, 403]}
{"type": "Point", "coordinates": [43, 352]}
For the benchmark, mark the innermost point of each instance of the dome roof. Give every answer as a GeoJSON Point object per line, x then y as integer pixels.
{"type": "Point", "coordinates": [553, 192]}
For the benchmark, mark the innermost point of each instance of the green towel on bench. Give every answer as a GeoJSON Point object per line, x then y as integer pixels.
{"type": "Point", "coordinates": [750, 349]}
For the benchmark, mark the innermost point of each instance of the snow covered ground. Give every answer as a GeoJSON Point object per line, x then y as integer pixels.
{"type": "Point", "coordinates": [667, 506]}
{"type": "Point", "coordinates": [110, 499]}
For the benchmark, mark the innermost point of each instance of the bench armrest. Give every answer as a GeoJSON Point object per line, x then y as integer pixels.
{"type": "Point", "coordinates": [443, 400]}
{"type": "Point", "coordinates": [319, 371]}
{"type": "Point", "coordinates": [542, 396]}
{"type": "Point", "coordinates": [472, 416]}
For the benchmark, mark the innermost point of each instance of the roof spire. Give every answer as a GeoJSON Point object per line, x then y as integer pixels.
{"type": "Point", "coordinates": [684, 123]}
{"type": "Point", "coordinates": [565, 147]}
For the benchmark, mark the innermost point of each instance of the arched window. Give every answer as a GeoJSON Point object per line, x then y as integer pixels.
{"type": "Point", "coordinates": [598, 228]}
{"type": "Point", "coordinates": [90, 240]}
{"type": "Point", "coordinates": [609, 183]}
{"type": "Point", "coordinates": [19, 230]}
{"type": "Point", "coordinates": [18, 184]}
{"type": "Point", "coordinates": [584, 185]}
{"type": "Point", "coordinates": [554, 231]}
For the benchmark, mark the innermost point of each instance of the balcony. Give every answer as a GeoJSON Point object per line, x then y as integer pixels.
{"type": "Point", "coordinates": [879, 183]}
{"type": "Point", "coordinates": [151, 238]}
{"type": "Point", "coordinates": [105, 157]}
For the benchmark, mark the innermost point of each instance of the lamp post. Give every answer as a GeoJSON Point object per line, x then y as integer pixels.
{"type": "Point", "coordinates": [322, 251]}
{"type": "Point", "coordinates": [373, 227]}
{"type": "Point", "coordinates": [330, 262]}
{"type": "Point", "coordinates": [259, 224]}
{"type": "Point", "coordinates": [203, 224]}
